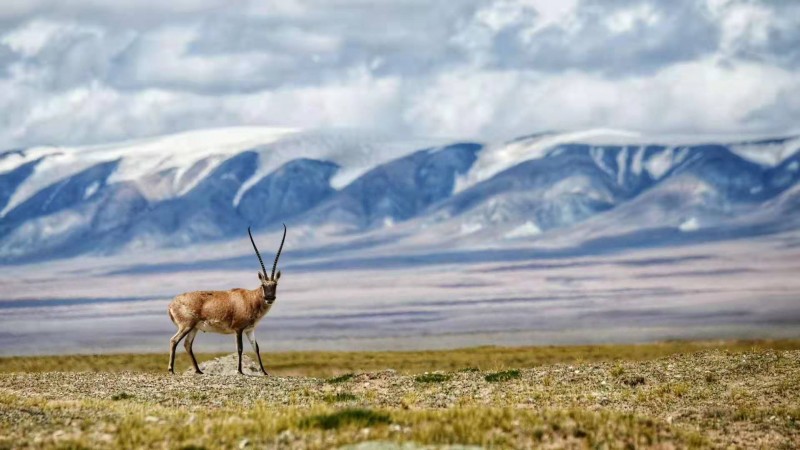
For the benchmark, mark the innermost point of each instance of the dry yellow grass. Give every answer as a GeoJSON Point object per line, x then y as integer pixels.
{"type": "Point", "coordinates": [711, 399]}
{"type": "Point", "coordinates": [677, 394]}
{"type": "Point", "coordinates": [323, 364]}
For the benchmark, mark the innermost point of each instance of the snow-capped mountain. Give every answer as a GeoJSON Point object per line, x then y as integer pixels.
{"type": "Point", "coordinates": [548, 189]}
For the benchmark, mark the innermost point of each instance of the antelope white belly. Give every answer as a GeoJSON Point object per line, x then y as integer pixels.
{"type": "Point", "coordinates": [214, 327]}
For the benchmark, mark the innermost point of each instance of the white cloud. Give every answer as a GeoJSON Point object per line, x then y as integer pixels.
{"type": "Point", "coordinates": [90, 71]}
{"type": "Point", "coordinates": [626, 20]}
{"type": "Point", "coordinates": [31, 38]}
{"type": "Point", "coordinates": [692, 97]}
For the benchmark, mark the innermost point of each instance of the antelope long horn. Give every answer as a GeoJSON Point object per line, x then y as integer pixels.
{"type": "Point", "coordinates": [275, 264]}
{"type": "Point", "coordinates": [263, 269]}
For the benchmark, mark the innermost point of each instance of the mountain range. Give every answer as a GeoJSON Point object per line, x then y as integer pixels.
{"type": "Point", "coordinates": [578, 191]}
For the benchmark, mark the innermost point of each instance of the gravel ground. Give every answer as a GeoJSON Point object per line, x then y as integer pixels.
{"type": "Point", "coordinates": [709, 399]}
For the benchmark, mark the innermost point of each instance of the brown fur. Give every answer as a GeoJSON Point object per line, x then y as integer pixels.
{"type": "Point", "coordinates": [236, 311]}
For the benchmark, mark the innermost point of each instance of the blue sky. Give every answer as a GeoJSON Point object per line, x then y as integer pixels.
{"type": "Point", "coordinates": [91, 71]}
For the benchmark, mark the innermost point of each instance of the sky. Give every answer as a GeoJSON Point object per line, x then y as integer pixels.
{"type": "Point", "coordinates": [93, 71]}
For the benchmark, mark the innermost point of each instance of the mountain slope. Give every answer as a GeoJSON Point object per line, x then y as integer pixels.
{"type": "Point", "coordinates": [344, 187]}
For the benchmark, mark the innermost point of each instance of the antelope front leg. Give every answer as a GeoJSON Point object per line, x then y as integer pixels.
{"type": "Point", "coordinates": [239, 349]}
{"type": "Point", "coordinates": [252, 338]}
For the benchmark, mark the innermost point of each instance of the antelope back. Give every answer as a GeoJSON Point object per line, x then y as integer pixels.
{"type": "Point", "coordinates": [201, 305]}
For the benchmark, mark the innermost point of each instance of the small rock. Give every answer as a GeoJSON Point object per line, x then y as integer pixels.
{"type": "Point", "coordinates": [244, 443]}
{"type": "Point", "coordinates": [151, 419]}
{"type": "Point", "coordinates": [228, 366]}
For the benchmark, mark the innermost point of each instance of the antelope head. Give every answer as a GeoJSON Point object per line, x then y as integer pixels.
{"type": "Point", "coordinates": [269, 282]}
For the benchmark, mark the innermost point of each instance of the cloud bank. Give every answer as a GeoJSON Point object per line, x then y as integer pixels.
{"type": "Point", "coordinates": [91, 71]}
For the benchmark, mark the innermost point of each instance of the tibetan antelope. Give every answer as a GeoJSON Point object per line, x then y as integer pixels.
{"type": "Point", "coordinates": [236, 311]}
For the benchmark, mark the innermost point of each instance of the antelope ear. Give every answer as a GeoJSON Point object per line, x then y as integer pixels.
{"type": "Point", "coordinates": [278, 276]}
{"type": "Point", "coordinates": [260, 277]}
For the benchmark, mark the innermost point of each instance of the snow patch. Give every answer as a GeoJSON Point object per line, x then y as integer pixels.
{"type": "Point", "coordinates": [597, 154]}
{"type": "Point", "coordinates": [691, 224]}
{"type": "Point", "coordinates": [91, 189]}
{"type": "Point", "coordinates": [636, 164]}
{"type": "Point", "coordinates": [768, 154]}
{"type": "Point", "coordinates": [660, 163]}
{"type": "Point", "coordinates": [525, 230]}
{"type": "Point", "coordinates": [181, 183]}
{"type": "Point", "coordinates": [138, 158]}
{"type": "Point", "coordinates": [469, 228]}
{"type": "Point", "coordinates": [578, 186]}
{"type": "Point", "coordinates": [355, 154]}
{"type": "Point", "coordinates": [622, 165]}
{"type": "Point", "coordinates": [497, 158]}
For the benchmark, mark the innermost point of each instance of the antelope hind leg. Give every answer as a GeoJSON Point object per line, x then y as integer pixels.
{"type": "Point", "coordinates": [187, 344]}
{"type": "Point", "coordinates": [173, 343]}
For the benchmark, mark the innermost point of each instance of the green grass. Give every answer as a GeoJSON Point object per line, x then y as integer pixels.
{"type": "Point", "coordinates": [502, 376]}
{"type": "Point", "coordinates": [432, 378]}
{"type": "Point", "coordinates": [322, 427]}
{"type": "Point", "coordinates": [341, 378]}
{"type": "Point", "coordinates": [346, 417]}
{"type": "Point", "coordinates": [327, 364]}
{"type": "Point", "coordinates": [121, 396]}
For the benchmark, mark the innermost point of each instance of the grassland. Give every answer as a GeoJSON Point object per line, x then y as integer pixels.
{"type": "Point", "coordinates": [326, 364]}
{"type": "Point", "coordinates": [677, 394]}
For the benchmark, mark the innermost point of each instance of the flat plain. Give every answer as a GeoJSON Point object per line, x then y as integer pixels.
{"type": "Point", "coordinates": [742, 394]}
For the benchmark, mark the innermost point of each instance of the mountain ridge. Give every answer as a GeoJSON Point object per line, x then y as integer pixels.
{"type": "Point", "coordinates": [177, 191]}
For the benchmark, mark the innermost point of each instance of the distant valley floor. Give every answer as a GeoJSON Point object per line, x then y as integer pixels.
{"type": "Point", "coordinates": [732, 289]}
